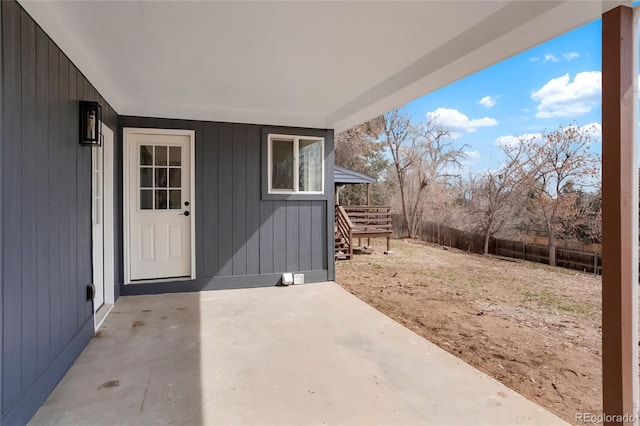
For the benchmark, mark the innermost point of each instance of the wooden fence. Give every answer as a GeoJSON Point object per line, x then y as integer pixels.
{"type": "Point", "coordinates": [430, 232]}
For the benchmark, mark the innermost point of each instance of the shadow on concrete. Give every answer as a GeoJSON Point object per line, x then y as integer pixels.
{"type": "Point", "coordinates": [307, 355]}
{"type": "Point", "coordinates": [142, 367]}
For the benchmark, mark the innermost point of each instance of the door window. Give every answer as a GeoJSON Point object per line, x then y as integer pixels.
{"type": "Point", "coordinates": [160, 177]}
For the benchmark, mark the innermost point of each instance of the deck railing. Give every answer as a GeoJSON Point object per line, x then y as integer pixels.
{"type": "Point", "coordinates": [363, 222]}
{"type": "Point", "coordinates": [344, 229]}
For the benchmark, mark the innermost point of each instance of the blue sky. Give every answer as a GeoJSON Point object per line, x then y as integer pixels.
{"type": "Point", "coordinates": [556, 83]}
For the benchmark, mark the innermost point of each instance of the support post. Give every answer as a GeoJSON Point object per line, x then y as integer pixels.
{"type": "Point", "coordinates": [619, 219]}
{"type": "Point", "coordinates": [368, 194]}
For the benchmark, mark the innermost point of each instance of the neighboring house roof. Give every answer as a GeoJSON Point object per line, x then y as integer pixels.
{"type": "Point", "coordinates": [342, 175]}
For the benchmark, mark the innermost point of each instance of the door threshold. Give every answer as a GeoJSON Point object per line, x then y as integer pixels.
{"type": "Point", "coordinates": [161, 280]}
{"type": "Point", "coordinates": [101, 315]}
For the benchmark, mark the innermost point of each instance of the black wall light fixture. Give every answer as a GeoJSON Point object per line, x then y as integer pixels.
{"type": "Point", "coordinates": [90, 123]}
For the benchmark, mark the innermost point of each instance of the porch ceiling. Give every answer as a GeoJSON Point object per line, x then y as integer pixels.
{"type": "Point", "coordinates": [315, 64]}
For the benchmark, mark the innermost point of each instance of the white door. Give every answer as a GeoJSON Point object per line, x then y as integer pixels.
{"type": "Point", "coordinates": [159, 205]}
{"type": "Point", "coordinates": [97, 220]}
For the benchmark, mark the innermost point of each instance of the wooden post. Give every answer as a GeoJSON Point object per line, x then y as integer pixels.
{"type": "Point", "coordinates": [619, 219]}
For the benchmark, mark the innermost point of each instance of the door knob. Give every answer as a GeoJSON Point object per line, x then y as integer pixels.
{"type": "Point", "coordinates": [185, 214]}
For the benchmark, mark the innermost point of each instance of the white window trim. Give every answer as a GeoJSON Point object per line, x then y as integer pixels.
{"type": "Point", "coordinates": [296, 164]}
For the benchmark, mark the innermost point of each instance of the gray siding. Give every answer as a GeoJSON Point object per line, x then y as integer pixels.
{"type": "Point", "coordinates": [1, 218]}
{"type": "Point", "coordinates": [243, 239]}
{"type": "Point", "coordinates": [45, 214]}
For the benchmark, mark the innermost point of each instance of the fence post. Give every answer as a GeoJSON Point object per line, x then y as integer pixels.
{"type": "Point", "coordinates": [595, 263]}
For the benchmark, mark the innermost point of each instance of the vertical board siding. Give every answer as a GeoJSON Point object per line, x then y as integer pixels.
{"type": "Point", "coordinates": [46, 213]}
{"type": "Point", "coordinates": [28, 179]}
{"type": "Point", "coordinates": [305, 236]}
{"type": "Point", "coordinates": [209, 199]}
{"type": "Point", "coordinates": [317, 236]}
{"type": "Point", "coordinates": [80, 233]}
{"type": "Point", "coordinates": [198, 126]}
{"type": "Point", "coordinates": [55, 191]}
{"type": "Point", "coordinates": [239, 196]}
{"type": "Point", "coordinates": [225, 200]}
{"type": "Point", "coordinates": [11, 206]}
{"type": "Point", "coordinates": [253, 200]}
{"type": "Point", "coordinates": [75, 167]}
{"type": "Point", "coordinates": [63, 165]}
{"type": "Point", "coordinates": [279, 236]}
{"type": "Point", "coordinates": [42, 197]}
{"type": "Point", "coordinates": [1, 219]}
{"type": "Point", "coordinates": [266, 237]}
{"type": "Point", "coordinates": [237, 232]}
{"type": "Point", "coordinates": [292, 243]}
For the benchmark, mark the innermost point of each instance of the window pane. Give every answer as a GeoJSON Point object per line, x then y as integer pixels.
{"type": "Point", "coordinates": [146, 155]}
{"type": "Point", "coordinates": [310, 163]}
{"type": "Point", "coordinates": [161, 178]}
{"type": "Point", "coordinates": [146, 177]}
{"type": "Point", "coordinates": [161, 155]}
{"type": "Point", "coordinates": [175, 154]}
{"type": "Point", "coordinates": [282, 164]}
{"type": "Point", "coordinates": [174, 178]}
{"type": "Point", "coordinates": [146, 199]}
{"type": "Point", "coordinates": [161, 199]}
{"type": "Point", "coordinates": [175, 199]}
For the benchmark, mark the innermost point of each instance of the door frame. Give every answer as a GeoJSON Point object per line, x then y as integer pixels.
{"type": "Point", "coordinates": [108, 241]}
{"type": "Point", "coordinates": [126, 164]}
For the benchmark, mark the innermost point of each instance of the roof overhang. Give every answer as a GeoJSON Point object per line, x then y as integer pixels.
{"type": "Point", "coordinates": [308, 64]}
{"type": "Point", "coordinates": [342, 175]}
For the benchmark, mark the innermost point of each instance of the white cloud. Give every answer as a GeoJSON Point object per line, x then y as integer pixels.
{"type": "Point", "coordinates": [511, 140]}
{"type": "Point", "coordinates": [534, 59]}
{"type": "Point", "coordinates": [561, 97]}
{"type": "Point", "coordinates": [472, 154]}
{"type": "Point", "coordinates": [488, 101]}
{"type": "Point", "coordinates": [548, 57]}
{"type": "Point", "coordinates": [571, 56]}
{"type": "Point", "coordinates": [455, 120]}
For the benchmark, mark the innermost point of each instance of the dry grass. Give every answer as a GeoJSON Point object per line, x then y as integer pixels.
{"type": "Point", "coordinates": [533, 327]}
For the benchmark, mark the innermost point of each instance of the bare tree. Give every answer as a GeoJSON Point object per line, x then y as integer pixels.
{"type": "Point", "coordinates": [587, 225]}
{"type": "Point", "coordinates": [497, 195]}
{"type": "Point", "coordinates": [359, 149]}
{"type": "Point", "coordinates": [397, 133]}
{"type": "Point", "coordinates": [422, 157]}
{"type": "Point", "coordinates": [549, 165]}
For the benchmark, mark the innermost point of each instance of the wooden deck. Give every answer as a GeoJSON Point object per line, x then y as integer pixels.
{"type": "Point", "coordinates": [360, 222]}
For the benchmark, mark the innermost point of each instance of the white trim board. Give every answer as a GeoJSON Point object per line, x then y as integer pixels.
{"type": "Point", "coordinates": [108, 154]}
{"type": "Point", "coordinates": [126, 163]}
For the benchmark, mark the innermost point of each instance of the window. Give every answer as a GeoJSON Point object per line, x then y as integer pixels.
{"type": "Point", "coordinates": [160, 176]}
{"type": "Point", "coordinates": [296, 164]}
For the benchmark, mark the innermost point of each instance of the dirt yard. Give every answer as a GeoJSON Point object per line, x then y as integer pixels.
{"type": "Point", "coordinates": [532, 327]}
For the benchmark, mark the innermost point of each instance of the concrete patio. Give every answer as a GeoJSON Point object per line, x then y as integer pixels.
{"type": "Point", "coordinates": [307, 354]}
